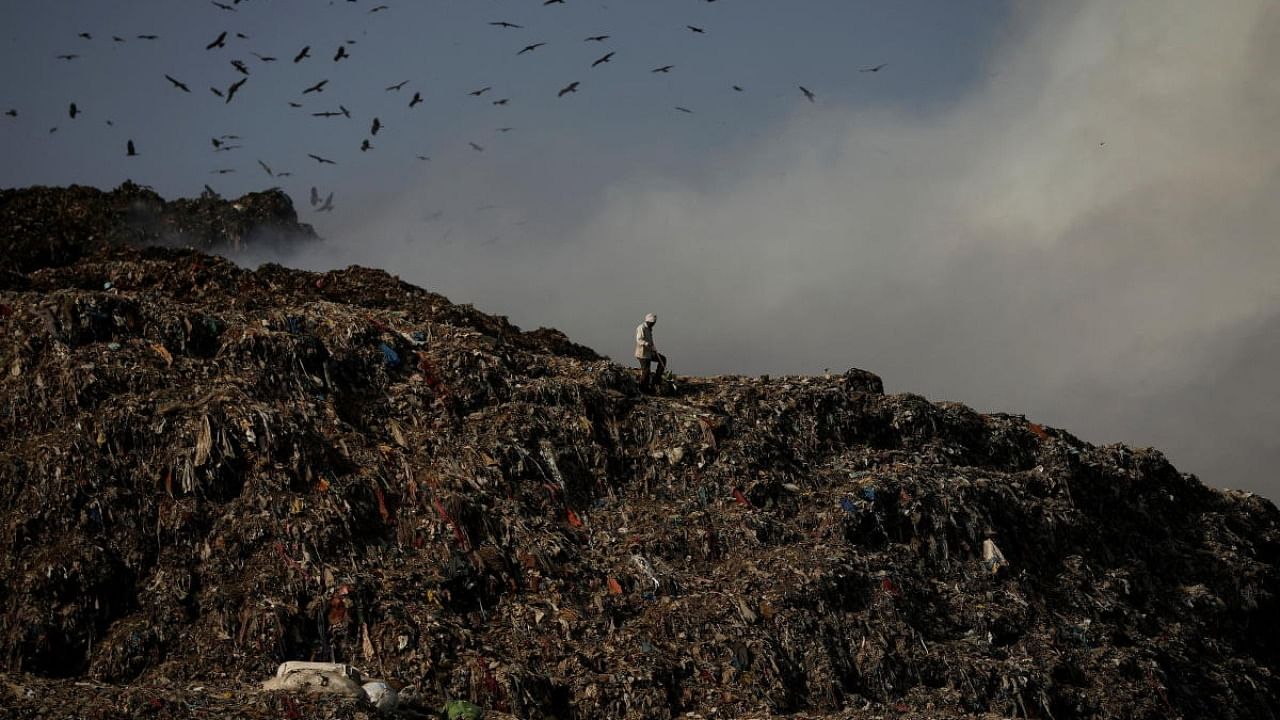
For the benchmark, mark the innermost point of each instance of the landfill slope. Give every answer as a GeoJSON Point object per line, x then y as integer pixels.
{"type": "Point", "coordinates": [41, 226]}
{"type": "Point", "coordinates": [206, 470]}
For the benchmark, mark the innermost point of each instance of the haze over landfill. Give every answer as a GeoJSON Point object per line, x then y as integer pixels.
{"type": "Point", "coordinates": [1060, 209]}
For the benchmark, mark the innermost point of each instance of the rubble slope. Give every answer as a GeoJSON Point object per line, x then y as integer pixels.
{"type": "Point", "coordinates": [206, 470]}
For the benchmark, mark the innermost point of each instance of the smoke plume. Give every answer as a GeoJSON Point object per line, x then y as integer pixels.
{"type": "Point", "coordinates": [1088, 236]}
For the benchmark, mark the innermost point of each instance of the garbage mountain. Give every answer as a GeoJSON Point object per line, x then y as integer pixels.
{"type": "Point", "coordinates": [207, 470]}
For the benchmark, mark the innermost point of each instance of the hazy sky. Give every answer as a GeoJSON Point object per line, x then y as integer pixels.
{"type": "Point", "coordinates": [1065, 209]}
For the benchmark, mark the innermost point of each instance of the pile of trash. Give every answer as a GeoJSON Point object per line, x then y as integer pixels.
{"type": "Point", "coordinates": [47, 226]}
{"type": "Point", "coordinates": [207, 471]}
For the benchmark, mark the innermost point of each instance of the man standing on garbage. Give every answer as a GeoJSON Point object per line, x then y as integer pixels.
{"type": "Point", "coordinates": [647, 354]}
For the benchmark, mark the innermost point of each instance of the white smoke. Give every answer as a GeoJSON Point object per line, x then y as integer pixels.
{"type": "Point", "coordinates": [1086, 237]}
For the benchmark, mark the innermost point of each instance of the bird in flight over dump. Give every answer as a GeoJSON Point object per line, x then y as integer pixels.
{"type": "Point", "coordinates": [235, 86]}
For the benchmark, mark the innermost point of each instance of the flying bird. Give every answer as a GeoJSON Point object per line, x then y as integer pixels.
{"type": "Point", "coordinates": [397, 86]}
{"type": "Point", "coordinates": [481, 91]}
{"type": "Point", "coordinates": [315, 196]}
{"type": "Point", "coordinates": [216, 91]}
{"type": "Point", "coordinates": [379, 8]}
{"type": "Point", "coordinates": [663, 69]}
{"type": "Point", "coordinates": [570, 88]}
{"type": "Point", "coordinates": [68, 56]}
{"type": "Point", "coordinates": [505, 24]}
{"type": "Point", "coordinates": [117, 38]}
{"type": "Point", "coordinates": [267, 168]}
{"type": "Point", "coordinates": [684, 109]}
{"type": "Point", "coordinates": [322, 161]}
{"type": "Point", "coordinates": [365, 146]}
{"type": "Point", "coordinates": [240, 67]}
{"type": "Point", "coordinates": [148, 37]}
{"type": "Point", "coordinates": [377, 125]}
{"type": "Point", "coordinates": [220, 41]}
{"type": "Point", "coordinates": [808, 94]}
{"type": "Point", "coordinates": [603, 59]}
{"type": "Point", "coordinates": [224, 6]}
{"type": "Point", "coordinates": [85, 35]}
{"type": "Point", "coordinates": [11, 113]}
{"type": "Point", "coordinates": [327, 113]}
{"type": "Point", "coordinates": [318, 87]}
{"type": "Point", "coordinates": [178, 84]}
{"type": "Point", "coordinates": [597, 38]}
{"type": "Point", "coordinates": [345, 112]}
{"type": "Point", "coordinates": [476, 147]}
{"type": "Point", "coordinates": [502, 101]}
{"type": "Point", "coordinates": [696, 29]}
{"type": "Point", "coordinates": [327, 205]}
{"type": "Point", "coordinates": [737, 88]}
{"type": "Point", "coordinates": [876, 68]}
{"type": "Point", "coordinates": [303, 53]}
{"type": "Point", "coordinates": [131, 150]}
{"type": "Point", "coordinates": [553, 2]}
{"type": "Point", "coordinates": [264, 58]}
{"type": "Point", "coordinates": [531, 48]}
{"type": "Point", "coordinates": [424, 158]}
{"type": "Point", "coordinates": [73, 111]}
{"type": "Point", "coordinates": [342, 53]}
{"type": "Point", "coordinates": [294, 104]}
{"type": "Point", "coordinates": [417, 99]}
{"type": "Point", "coordinates": [223, 171]}
{"type": "Point", "coordinates": [231, 91]}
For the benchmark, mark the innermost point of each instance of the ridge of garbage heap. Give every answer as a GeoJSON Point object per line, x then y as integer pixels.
{"type": "Point", "coordinates": [50, 226]}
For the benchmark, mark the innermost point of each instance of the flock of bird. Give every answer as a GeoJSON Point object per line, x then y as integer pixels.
{"type": "Point", "coordinates": [244, 73]}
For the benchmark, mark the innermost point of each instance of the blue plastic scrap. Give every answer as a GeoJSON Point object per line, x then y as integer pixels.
{"type": "Point", "coordinates": [391, 357]}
